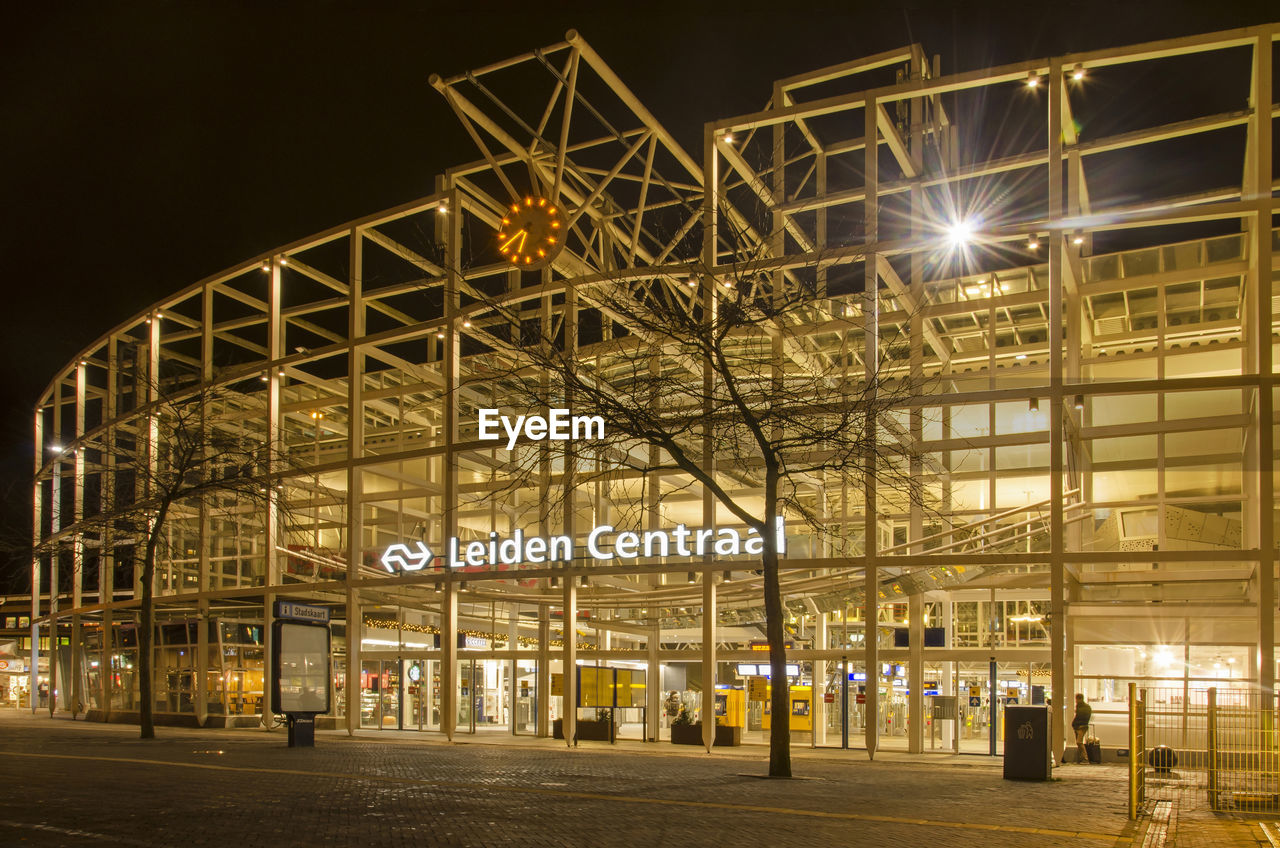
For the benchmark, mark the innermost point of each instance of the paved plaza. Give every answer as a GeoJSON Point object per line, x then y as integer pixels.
{"type": "Point", "coordinates": [80, 784]}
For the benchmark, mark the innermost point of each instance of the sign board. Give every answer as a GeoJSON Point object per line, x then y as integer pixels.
{"type": "Point", "coordinates": [302, 612]}
{"type": "Point", "coordinates": [975, 702]}
{"type": "Point", "coordinates": [943, 707]}
{"type": "Point", "coordinates": [860, 698]}
{"type": "Point", "coordinates": [975, 692]}
{"type": "Point", "coordinates": [757, 689]}
{"type": "Point", "coordinates": [557, 684]}
{"type": "Point", "coordinates": [829, 697]}
{"type": "Point", "coordinates": [12, 666]}
{"type": "Point", "coordinates": [300, 651]}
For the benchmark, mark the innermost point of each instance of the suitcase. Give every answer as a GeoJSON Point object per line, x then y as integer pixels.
{"type": "Point", "coordinates": [1093, 748]}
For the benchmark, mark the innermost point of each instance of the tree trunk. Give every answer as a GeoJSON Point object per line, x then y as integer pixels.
{"type": "Point", "coordinates": [147, 629]}
{"type": "Point", "coordinates": [780, 690]}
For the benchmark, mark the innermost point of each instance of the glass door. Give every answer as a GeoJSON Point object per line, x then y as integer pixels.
{"type": "Point", "coordinates": [391, 695]}
{"type": "Point", "coordinates": [416, 686]}
{"type": "Point", "coordinates": [492, 694]}
{"type": "Point", "coordinates": [466, 696]}
{"type": "Point", "coordinates": [526, 719]}
{"type": "Point", "coordinates": [370, 694]}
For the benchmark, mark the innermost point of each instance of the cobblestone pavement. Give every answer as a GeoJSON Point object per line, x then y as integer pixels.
{"type": "Point", "coordinates": [80, 784]}
{"type": "Point", "coordinates": [1179, 817]}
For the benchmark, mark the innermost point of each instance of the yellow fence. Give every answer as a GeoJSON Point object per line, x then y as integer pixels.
{"type": "Point", "coordinates": [1219, 745]}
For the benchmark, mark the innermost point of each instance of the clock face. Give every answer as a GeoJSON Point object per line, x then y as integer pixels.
{"type": "Point", "coordinates": [530, 234]}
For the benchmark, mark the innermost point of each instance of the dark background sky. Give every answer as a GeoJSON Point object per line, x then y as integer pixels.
{"type": "Point", "coordinates": [145, 145]}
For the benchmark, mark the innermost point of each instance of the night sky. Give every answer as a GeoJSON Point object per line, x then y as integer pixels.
{"type": "Point", "coordinates": [146, 145]}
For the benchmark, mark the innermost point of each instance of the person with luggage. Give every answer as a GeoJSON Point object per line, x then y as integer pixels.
{"type": "Point", "coordinates": [1080, 724]}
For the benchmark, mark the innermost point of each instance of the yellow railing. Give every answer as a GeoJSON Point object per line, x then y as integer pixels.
{"type": "Point", "coordinates": [1137, 750]}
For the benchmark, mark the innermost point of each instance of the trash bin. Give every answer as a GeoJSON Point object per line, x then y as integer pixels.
{"type": "Point", "coordinates": [1162, 758]}
{"type": "Point", "coordinates": [1026, 743]}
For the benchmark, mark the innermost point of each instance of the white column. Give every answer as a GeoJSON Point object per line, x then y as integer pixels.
{"type": "Point", "coordinates": [1260, 126]}
{"type": "Point", "coordinates": [653, 683]}
{"type": "Point", "coordinates": [355, 449]}
{"type": "Point", "coordinates": [355, 632]}
{"type": "Point", "coordinates": [37, 496]}
{"type": "Point", "coordinates": [950, 738]}
{"type": "Point", "coordinates": [449, 656]}
{"type": "Point", "coordinates": [271, 521]}
{"type": "Point", "coordinates": [569, 662]}
{"type": "Point", "coordinates": [871, 655]}
{"type": "Point", "coordinates": [544, 671]}
{"type": "Point", "coordinates": [819, 681]}
{"type": "Point", "coordinates": [709, 658]}
{"type": "Point", "coordinates": [199, 689]}
{"type": "Point", "coordinates": [915, 673]}
{"type": "Point", "coordinates": [1057, 408]}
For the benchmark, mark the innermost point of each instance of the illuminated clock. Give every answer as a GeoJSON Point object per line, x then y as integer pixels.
{"type": "Point", "coordinates": [531, 232]}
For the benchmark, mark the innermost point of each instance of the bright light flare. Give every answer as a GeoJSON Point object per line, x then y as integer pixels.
{"type": "Point", "coordinates": [960, 233]}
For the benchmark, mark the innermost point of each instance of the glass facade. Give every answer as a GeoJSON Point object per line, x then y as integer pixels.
{"type": "Point", "coordinates": [1092, 468]}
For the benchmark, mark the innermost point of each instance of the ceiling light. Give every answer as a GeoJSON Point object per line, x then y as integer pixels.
{"type": "Point", "coordinates": [1077, 73]}
{"type": "Point", "coordinates": [1033, 79]}
{"type": "Point", "coordinates": [1034, 404]}
{"type": "Point", "coordinates": [1020, 356]}
{"type": "Point", "coordinates": [1079, 402]}
{"type": "Point", "coordinates": [1033, 243]}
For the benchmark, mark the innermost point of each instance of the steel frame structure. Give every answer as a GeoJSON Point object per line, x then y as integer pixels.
{"type": "Point", "coordinates": [364, 351]}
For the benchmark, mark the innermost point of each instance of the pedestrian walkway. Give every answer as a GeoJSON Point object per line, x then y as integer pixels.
{"type": "Point", "coordinates": [92, 784]}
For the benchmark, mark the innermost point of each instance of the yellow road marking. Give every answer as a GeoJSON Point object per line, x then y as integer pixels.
{"type": "Point", "coordinates": [589, 796]}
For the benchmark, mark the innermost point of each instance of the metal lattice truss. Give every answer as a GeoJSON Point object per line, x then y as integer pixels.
{"type": "Point", "coordinates": [363, 352]}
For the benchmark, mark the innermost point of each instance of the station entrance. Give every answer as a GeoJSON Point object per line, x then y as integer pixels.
{"type": "Point", "coordinates": [493, 695]}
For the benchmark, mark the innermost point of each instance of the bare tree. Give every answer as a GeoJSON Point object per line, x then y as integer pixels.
{"type": "Point", "coordinates": [752, 381]}
{"type": "Point", "coordinates": [193, 453]}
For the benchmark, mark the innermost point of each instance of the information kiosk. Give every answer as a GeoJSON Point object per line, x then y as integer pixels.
{"type": "Point", "coordinates": [300, 658]}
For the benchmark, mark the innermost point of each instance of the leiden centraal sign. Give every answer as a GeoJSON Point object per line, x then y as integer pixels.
{"type": "Point", "coordinates": [518, 549]}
